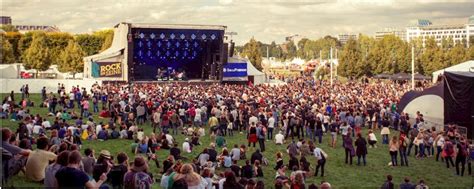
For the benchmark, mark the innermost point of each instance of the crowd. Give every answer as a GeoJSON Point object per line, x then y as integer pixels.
{"type": "Point", "coordinates": [298, 114]}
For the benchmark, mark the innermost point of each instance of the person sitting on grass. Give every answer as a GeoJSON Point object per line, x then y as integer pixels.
{"type": "Point", "coordinates": [220, 140]}
{"type": "Point", "coordinates": [142, 147]}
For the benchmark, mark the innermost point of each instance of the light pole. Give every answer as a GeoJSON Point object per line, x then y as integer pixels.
{"type": "Point", "coordinates": [413, 67]}
{"type": "Point", "coordinates": [330, 65]}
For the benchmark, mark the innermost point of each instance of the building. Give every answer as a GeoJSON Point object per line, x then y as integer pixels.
{"type": "Point", "coordinates": [391, 31]}
{"type": "Point", "coordinates": [5, 20]}
{"type": "Point", "coordinates": [343, 38]}
{"type": "Point", "coordinates": [424, 29]}
{"type": "Point", "coordinates": [27, 28]}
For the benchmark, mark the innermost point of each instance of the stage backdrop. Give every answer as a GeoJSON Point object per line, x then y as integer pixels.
{"type": "Point", "coordinates": [181, 50]}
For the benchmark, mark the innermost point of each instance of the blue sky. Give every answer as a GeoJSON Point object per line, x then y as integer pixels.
{"type": "Point", "coordinates": [266, 20]}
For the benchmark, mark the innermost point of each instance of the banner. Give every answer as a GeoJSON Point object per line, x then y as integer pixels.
{"type": "Point", "coordinates": [235, 70]}
{"type": "Point", "coordinates": [106, 69]}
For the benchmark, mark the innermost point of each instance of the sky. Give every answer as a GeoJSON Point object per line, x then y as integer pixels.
{"type": "Point", "coordinates": [265, 20]}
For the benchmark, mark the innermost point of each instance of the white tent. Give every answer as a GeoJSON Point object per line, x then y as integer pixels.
{"type": "Point", "coordinates": [258, 76]}
{"type": "Point", "coordinates": [462, 67]}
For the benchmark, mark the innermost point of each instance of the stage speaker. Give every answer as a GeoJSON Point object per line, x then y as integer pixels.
{"type": "Point", "coordinates": [231, 50]}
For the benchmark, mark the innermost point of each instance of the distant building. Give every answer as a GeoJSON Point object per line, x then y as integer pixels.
{"type": "Point", "coordinates": [27, 28]}
{"type": "Point", "coordinates": [343, 38]}
{"type": "Point", "coordinates": [5, 20]}
{"type": "Point", "coordinates": [391, 31]}
{"type": "Point", "coordinates": [424, 29]}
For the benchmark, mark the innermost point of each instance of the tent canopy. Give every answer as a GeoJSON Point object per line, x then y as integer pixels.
{"type": "Point", "coordinates": [467, 66]}
{"type": "Point", "coordinates": [401, 76]}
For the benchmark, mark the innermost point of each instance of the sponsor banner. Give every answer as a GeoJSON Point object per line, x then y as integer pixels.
{"type": "Point", "coordinates": [235, 70]}
{"type": "Point", "coordinates": [107, 69]}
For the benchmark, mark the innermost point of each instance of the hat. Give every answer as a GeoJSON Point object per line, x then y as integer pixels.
{"type": "Point", "coordinates": [139, 164]}
{"type": "Point", "coordinates": [105, 153]}
{"type": "Point", "coordinates": [187, 139]}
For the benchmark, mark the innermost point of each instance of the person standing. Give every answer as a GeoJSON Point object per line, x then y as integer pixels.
{"type": "Point", "coordinates": [394, 147]}
{"type": "Point", "coordinates": [252, 135]}
{"type": "Point", "coordinates": [271, 126]}
{"type": "Point", "coordinates": [349, 148]}
{"type": "Point", "coordinates": [461, 156]}
{"type": "Point", "coordinates": [361, 148]}
{"type": "Point", "coordinates": [439, 141]}
{"type": "Point", "coordinates": [403, 150]}
{"type": "Point", "coordinates": [321, 157]}
{"type": "Point", "coordinates": [261, 137]}
{"type": "Point", "coordinates": [448, 152]}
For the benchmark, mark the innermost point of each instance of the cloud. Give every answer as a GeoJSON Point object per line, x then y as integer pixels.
{"type": "Point", "coordinates": [266, 20]}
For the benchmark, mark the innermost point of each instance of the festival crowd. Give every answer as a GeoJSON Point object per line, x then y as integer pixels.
{"type": "Point", "coordinates": [298, 115]}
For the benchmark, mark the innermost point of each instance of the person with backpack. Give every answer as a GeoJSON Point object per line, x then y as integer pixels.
{"type": "Point", "coordinates": [461, 156]}
{"type": "Point", "coordinates": [138, 177]}
{"type": "Point", "coordinates": [448, 152]}
{"type": "Point", "coordinates": [403, 150]}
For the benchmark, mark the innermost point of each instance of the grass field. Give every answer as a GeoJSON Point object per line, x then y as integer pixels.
{"type": "Point", "coordinates": [340, 175]}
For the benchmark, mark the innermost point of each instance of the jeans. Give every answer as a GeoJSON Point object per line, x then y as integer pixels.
{"type": "Point", "coordinates": [460, 160]}
{"type": "Point", "coordinates": [348, 156]}
{"type": "Point", "coordinates": [96, 108]}
{"type": "Point", "coordinates": [321, 164]}
{"type": "Point", "coordinates": [319, 133]}
{"type": "Point", "coordinates": [270, 133]}
{"type": "Point", "coordinates": [85, 113]}
{"type": "Point", "coordinates": [363, 159]}
{"type": "Point", "coordinates": [393, 155]}
{"type": "Point", "coordinates": [438, 152]}
{"type": "Point", "coordinates": [403, 157]}
{"type": "Point", "coordinates": [409, 149]}
{"type": "Point", "coordinates": [449, 159]}
{"type": "Point", "coordinates": [230, 131]}
{"type": "Point", "coordinates": [422, 150]}
{"type": "Point", "coordinates": [384, 139]}
{"type": "Point", "coordinates": [261, 143]}
{"type": "Point", "coordinates": [175, 128]}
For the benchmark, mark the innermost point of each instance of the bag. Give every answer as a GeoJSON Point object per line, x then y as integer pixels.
{"type": "Point", "coordinates": [84, 135]}
{"type": "Point", "coordinates": [230, 126]}
{"type": "Point", "coordinates": [141, 180]}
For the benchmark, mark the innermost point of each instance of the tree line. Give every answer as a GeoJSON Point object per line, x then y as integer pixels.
{"type": "Point", "coordinates": [366, 56]}
{"type": "Point", "coordinates": [38, 50]}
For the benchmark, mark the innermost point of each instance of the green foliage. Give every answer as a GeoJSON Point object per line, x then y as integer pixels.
{"type": "Point", "coordinates": [107, 36]}
{"type": "Point", "coordinates": [57, 41]}
{"type": "Point", "coordinates": [90, 44]}
{"type": "Point", "coordinates": [14, 39]}
{"type": "Point", "coordinates": [7, 56]}
{"type": "Point", "coordinates": [71, 58]}
{"type": "Point", "coordinates": [290, 50]}
{"type": "Point", "coordinates": [38, 56]}
{"type": "Point", "coordinates": [251, 50]}
{"type": "Point", "coordinates": [9, 28]}
{"type": "Point", "coordinates": [350, 59]}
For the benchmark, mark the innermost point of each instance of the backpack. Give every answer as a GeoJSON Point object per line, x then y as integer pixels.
{"type": "Point", "coordinates": [141, 180]}
{"type": "Point", "coordinates": [463, 150]}
{"type": "Point", "coordinates": [127, 108]}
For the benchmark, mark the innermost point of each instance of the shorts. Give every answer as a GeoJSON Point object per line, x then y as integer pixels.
{"type": "Point", "coordinates": [333, 135]}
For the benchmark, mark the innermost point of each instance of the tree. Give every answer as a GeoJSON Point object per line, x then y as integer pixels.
{"type": "Point", "coordinates": [57, 41]}
{"type": "Point", "coordinates": [7, 51]}
{"type": "Point", "coordinates": [37, 56]}
{"type": "Point", "coordinates": [90, 44]}
{"type": "Point", "coordinates": [251, 50]}
{"type": "Point", "coordinates": [107, 36]}
{"type": "Point", "coordinates": [9, 28]}
{"type": "Point", "coordinates": [71, 59]}
{"type": "Point", "coordinates": [455, 55]}
{"type": "Point", "coordinates": [290, 50]}
{"type": "Point", "coordinates": [350, 63]}
{"type": "Point", "coordinates": [14, 39]}
{"type": "Point", "coordinates": [431, 59]}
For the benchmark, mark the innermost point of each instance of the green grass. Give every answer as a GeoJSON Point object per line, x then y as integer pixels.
{"type": "Point", "coordinates": [340, 175]}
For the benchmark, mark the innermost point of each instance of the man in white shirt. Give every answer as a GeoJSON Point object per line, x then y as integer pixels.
{"type": "Point", "coordinates": [187, 146]}
{"type": "Point", "coordinates": [279, 138]}
{"type": "Point", "coordinates": [46, 124]}
{"type": "Point", "coordinates": [271, 125]}
{"type": "Point", "coordinates": [253, 120]}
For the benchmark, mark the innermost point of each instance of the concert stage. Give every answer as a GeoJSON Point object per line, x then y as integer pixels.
{"type": "Point", "coordinates": [181, 82]}
{"type": "Point", "coordinates": [149, 52]}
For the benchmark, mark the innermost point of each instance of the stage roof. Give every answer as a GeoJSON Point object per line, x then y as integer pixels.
{"type": "Point", "coordinates": [178, 26]}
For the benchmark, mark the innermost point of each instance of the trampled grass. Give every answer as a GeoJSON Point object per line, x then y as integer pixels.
{"type": "Point", "coordinates": [340, 175]}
